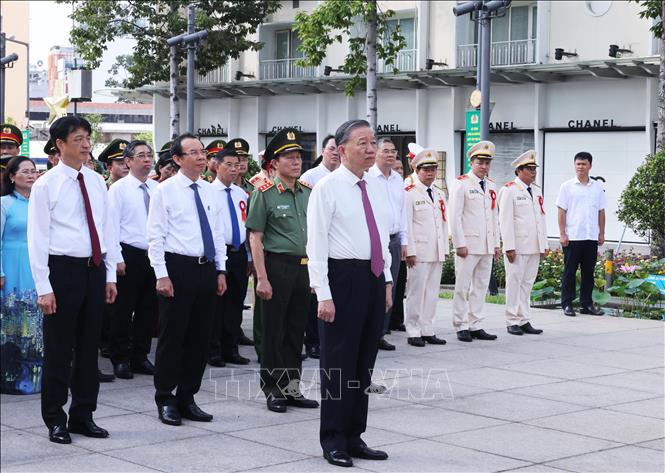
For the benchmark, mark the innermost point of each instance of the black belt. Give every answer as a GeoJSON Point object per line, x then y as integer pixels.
{"type": "Point", "coordinates": [232, 249]}
{"type": "Point", "coordinates": [289, 259]}
{"type": "Point", "coordinates": [190, 259]}
{"type": "Point", "coordinates": [78, 261]}
{"type": "Point", "coordinates": [133, 249]}
{"type": "Point", "coordinates": [359, 263]}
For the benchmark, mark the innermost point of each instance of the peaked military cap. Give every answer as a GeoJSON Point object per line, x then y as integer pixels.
{"type": "Point", "coordinates": [49, 148]}
{"type": "Point", "coordinates": [482, 149]}
{"type": "Point", "coordinates": [426, 157]}
{"type": "Point", "coordinates": [10, 134]}
{"type": "Point", "coordinates": [528, 158]}
{"type": "Point", "coordinates": [215, 147]}
{"type": "Point", "coordinates": [165, 149]}
{"type": "Point", "coordinates": [114, 150]}
{"type": "Point", "coordinates": [240, 146]}
{"type": "Point", "coordinates": [287, 139]}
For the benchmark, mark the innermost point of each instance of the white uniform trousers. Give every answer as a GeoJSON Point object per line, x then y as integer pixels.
{"type": "Point", "coordinates": [422, 292]}
{"type": "Point", "coordinates": [472, 275]}
{"type": "Point", "coordinates": [520, 276]}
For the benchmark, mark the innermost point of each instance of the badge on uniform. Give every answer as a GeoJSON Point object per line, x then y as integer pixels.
{"type": "Point", "coordinates": [243, 210]}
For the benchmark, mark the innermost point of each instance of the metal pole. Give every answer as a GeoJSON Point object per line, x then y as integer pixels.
{"type": "Point", "coordinates": [191, 52]}
{"type": "Point", "coordinates": [173, 94]}
{"type": "Point", "coordinates": [479, 58]}
{"type": "Point", "coordinates": [2, 76]}
{"type": "Point", "coordinates": [485, 75]}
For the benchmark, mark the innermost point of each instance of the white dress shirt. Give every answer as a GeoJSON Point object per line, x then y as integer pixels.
{"type": "Point", "coordinates": [582, 204]}
{"type": "Point", "coordinates": [239, 197]}
{"type": "Point", "coordinates": [129, 215]}
{"type": "Point", "coordinates": [394, 189]}
{"type": "Point", "coordinates": [173, 222]}
{"type": "Point", "coordinates": [57, 223]}
{"type": "Point", "coordinates": [313, 175]}
{"type": "Point", "coordinates": [337, 228]}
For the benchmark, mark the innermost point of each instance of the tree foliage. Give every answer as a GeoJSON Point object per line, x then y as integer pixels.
{"type": "Point", "coordinates": [152, 22]}
{"type": "Point", "coordinates": [642, 206]}
{"type": "Point", "coordinates": [652, 9]}
{"type": "Point", "coordinates": [95, 120]}
{"type": "Point", "coordinates": [340, 20]}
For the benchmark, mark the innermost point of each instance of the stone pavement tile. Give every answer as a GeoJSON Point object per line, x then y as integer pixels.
{"type": "Point", "coordinates": [636, 380]}
{"type": "Point", "coordinates": [535, 468]}
{"type": "Point", "coordinates": [24, 415]}
{"type": "Point", "coordinates": [432, 386]}
{"type": "Point", "coordinates": [243, 386]}
{"type": "Point", "coordinates": [138, 381]}
{"type": "Point", "coordinates": [134, 430]}
{"type": "Point", "coordinates": [426, 421]}
{"type": "Point", "coordinates": [507, 406]}
{"type": "Point", "coordinates": [308, 465]}
{"type": "Point", "coordinates": [21, 447]}
{"type": "Point", "coordinates": [140, 399]}
{"type": "Point", "coordinates": [548, 349]}
{"type": "Point", "coordinates": [499, 379]}
{"type": "Point", "coordinates": [561, 368]}
{"type": "Point", "coordinates": [658, 444]}
{"type": "Point", "coordinates": [583, 393]}
{"type": "Point", "coordinates": [303, 437]}
{"type": "Point", "coordinates": [651, 350]}
{"type": "Point", "coordinates": [647, 408]}
{"type": "Point", "coordinates": [525, 442]}
{"type": "Point", "coordinates": [657, 371]}
{"type": "Point", "coordinates": [424, 359]}
{"type": "Point", "coordinates": [427, 456]}
{"type": "Point", "coordinates": [606, 425]}
{"type": "Point", "coordinates": [93, 462]}
{"type": "Point", "coordinates": [8, 398]}
{"type": "Point", "coordinates": [623, 360]}
{"type": "Point", "coordinates": [228, 371]}
{"type": "Point", "coordinates": [620, 341]}
{"type": "Point", "coordinates": [215, 452]}
{"type": "Point", "coordinates": [621, 459]}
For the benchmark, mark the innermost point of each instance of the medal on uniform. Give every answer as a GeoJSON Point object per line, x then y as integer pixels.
{"type": "Point", "coordinates": [243, 210]}
{"type": "Point", "coordinates": [493, 197]}
{"type": "Point", "coordinates": [442, 205]}
{"type": "Point", "coordinates": [540, 201]}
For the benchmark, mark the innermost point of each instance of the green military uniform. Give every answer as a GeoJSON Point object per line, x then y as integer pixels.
{"type": "Point", "coordinates": [280, 214]}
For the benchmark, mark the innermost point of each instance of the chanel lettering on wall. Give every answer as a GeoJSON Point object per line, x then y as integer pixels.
{"type": "Point", "coordinates": [597, 123]}
{"type": "Point", "coordinates": [502, 126]}
{"type": "Point", "coordinates": [212, 131]}
{"type": "Point", "coordinates": [388, 128]}
{"type": "Point", "coordinates": [276, 128]}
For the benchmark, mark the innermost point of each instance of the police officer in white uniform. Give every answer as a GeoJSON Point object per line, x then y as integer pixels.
{"type": "Point", "coordinates": [522, 223]}
{"type": "Point", "coordinates": [426, 250]}
{"type": "Point", "coordinates": [474, 225]}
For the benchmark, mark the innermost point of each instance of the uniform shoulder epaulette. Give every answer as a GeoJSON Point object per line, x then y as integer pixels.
{"type": "Point", "coordinates": [305, 184]}
{"type": "Point", "coordinates": [462, 177]}
{"type": "Point", "coordinates": [255, 179]}
{"type": "Point", "coordinates": [509, 183]}
{"type": "Point", "coordinates": [267, 185]}
{"type": "Point", "coordinates": [409, 187]}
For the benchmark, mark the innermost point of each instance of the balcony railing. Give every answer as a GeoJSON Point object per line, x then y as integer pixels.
{"type": "Point", "coordinates": [285, 69]}
{"type": "Point", "coordinates": [216, 76]}
{"type": "Point", "coordinates": [404, 61]}
{"type": "Point", "coordinates": [503, 53]}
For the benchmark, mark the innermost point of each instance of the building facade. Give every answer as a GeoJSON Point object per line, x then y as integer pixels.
{"type": "Point", "coordinates": [596, 97]}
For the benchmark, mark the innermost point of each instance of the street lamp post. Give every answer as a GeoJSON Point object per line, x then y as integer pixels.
{"type": "Point", "coordinates": [27, 77]}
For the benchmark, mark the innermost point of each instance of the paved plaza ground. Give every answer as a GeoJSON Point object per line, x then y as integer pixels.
{"type": "Point", "coordinates": [586, 395]}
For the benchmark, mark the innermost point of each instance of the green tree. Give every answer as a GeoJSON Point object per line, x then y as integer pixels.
{"type": "Point", "coordinates": [147, 137]}
{"type": "Point", "coordinates": [641, 205]}
{"type": "Point", "coordinates": [95, 120]}
{"type": "Point", "coordinates": [360, 22]}
{"type": "Point", "coordinates": [152, 22]}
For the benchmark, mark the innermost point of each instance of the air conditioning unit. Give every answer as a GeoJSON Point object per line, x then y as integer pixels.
{"type": "Point", "coordinates": [80, 85]}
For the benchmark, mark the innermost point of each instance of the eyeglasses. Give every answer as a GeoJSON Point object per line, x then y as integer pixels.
{"type": "Point", "coordinates": [144, 156]}
{"type": "Point", "coordinates": [195, 154]}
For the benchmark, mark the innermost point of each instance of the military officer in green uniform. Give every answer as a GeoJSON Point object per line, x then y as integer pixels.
{"type": "Point", "coordinates": [113, 158]}
{"type": "Point", "coordinates": [278, 223]}
{"type": "Point", "coordinates": [213, 148]}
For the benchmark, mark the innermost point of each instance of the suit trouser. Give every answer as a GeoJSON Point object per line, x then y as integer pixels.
{"type": "Point", "coordinates": [135, 308]}
{"type": "Point", "coordinates": [185, 326]}
{"type": "Point", "coordinates": [348, 351]}
{"type": "Point", "coordinates": [312, 329]}
{"type": "Point", "coordinates": [395, 247]}
{"type": "Point", "coordinates": [397, 314]}
{"type": "Point", "coordinates": [228, 309]}
{"type": "Point", "coordinates": [422, 293]}
{"type": "Point", "coordinates": [472, 274]}
{"type": "Point", "coordinates": [257, 321]}
{"type": "Point", "coordinates": [520, 276]}
{"type": "Point", "coordinates": [71, 340]}
{"type": "Point", "coordinates": [582, 253]}
{"type": "Point", "coordinates": [284, 320]}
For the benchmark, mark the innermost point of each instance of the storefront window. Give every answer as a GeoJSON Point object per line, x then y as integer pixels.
{"type": "Point", "coordinates": [508, 147]}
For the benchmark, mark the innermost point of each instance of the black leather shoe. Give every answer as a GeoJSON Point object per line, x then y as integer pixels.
{"type": "Point", "coordinates": [384, 345]}
{"type": "Point", "coordinates": [303, 357]}
{"type": "Point", "coordinates": [105, 352]}
{"type": "Point", "coordinates": [194, 412]}
{"type": "Point", "coordinates": [244, 340]}
{"type": "Point", "coordinates": [142, 367]}
{"type": "Point", "coordinates": [591, 311]}
{"type": "Point", "coordinates": [87, 428]}
{"type": "Point", "coordinates": [514, 330]}
{"type": "Point", "coordinates": [464, 336]}
{"type": "Point", "coordinates": [375, 388]}
{"type": "Point", "coordinates": [314, 352]}
{"type": "Point", "coordinates": [246, 307]}
{"type": "Point", "coordinates": [216, 361]}
{"type": "Point", "coordinates": [527, 328]}
{"type": "Point", "coordinates": [104, 377]}
{"type": "Point", "coordinates": [122, 371]}
{"type": "Point", "coordinates": [169, 415]}
{"type": "Point", "coordinates": [276, 404]}
{"type": "Point", "coordinates": [482, 335]}
{"type": "Point", "coordinates": [401, 328]}
{"type": "Point", "coordinates": [59, 434]}
{"type": "Point", "coordinates": [568, 310]}
{"type": "Point", "coordinates": [433, 340]}
{"type": "Point", "coordinates": [338, 458]}
{"type": "Point", "coordinates": [366, 453]}
{"type": "Point", "coordinates": [236, 359]}
{"type": "Point", "coordinates": [301, 401]}
{"type": "Point", "coordinates": [415, 341]}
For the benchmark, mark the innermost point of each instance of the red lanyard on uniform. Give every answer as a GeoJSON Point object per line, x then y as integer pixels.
{"type": "Point", "coordinates": [442, 206]}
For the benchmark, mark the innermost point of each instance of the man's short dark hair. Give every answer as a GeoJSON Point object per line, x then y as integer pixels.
{"type": "Point", "coordinates": [64, 126]}
{"type": "Point", "coordinates": [583, 156]}
{"type": "Point", "coordinates": [343, 133]}
{"type": "Point", "coordinates": [176, 147]}
{"type": "Point", "coordinates": [382, 140]}
{"type": "Point", "coordinates": [326, 139]}
{"type": "Point", "coordinates": [131, 148]}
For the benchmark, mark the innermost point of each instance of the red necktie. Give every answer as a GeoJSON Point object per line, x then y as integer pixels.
{"type": "Point", "coordinates": [376, 256]}
{"type": "Point", "coordinates": [94, 239]}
